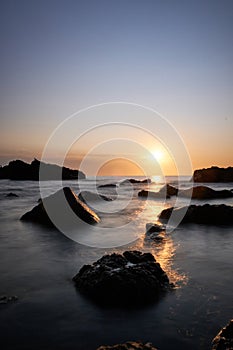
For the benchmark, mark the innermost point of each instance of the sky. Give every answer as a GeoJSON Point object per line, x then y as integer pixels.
{"type": "Point", "coordinates": [173, 56]}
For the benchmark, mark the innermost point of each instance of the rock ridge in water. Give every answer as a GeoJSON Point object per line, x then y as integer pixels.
{"type": "Point", "coordinates": [213, 174]}
{"type": "Point", "coordinates": [60, 210]}
{"type": "Point", "coordinates": [133, 278]}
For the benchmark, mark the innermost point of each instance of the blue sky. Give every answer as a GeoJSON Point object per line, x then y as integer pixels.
{"type": "Point", "coordinates": [174, 56]}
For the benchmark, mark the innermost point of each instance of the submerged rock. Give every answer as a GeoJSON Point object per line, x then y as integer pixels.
{"type": "Point", "coordinates": [134, 181]}
{"type": "Point", "coordinates": [56, 203]}
{"type": "Point", "coordinates": [19, 170]}
{"type": "Point", "coordinates": [133, 278]}
{"type": "Point", "coordinates": [12, 195]}
{"type": "Point", "coordinates": [150, 228]}
{"type": "Point", "coordinates": [108, 185]}
{"type": "Point", "coordinates": [5, 299]}
{"type": "Point", "coordinates": [201, 214]}
{"type": "Point", "coordinates": [224, 339]}
{"type": "Point", "coordinates": [129, 345]}
{"type": "Point", "coordinates": [152, 195]}
{"type": "Point", "coordinates": [86, 196]}
{"type": "Point", "coordinates": [204, 192]}
{"type": "Point", "coordinates": [213, 174]}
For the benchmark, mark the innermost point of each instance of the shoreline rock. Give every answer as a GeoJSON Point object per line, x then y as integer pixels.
{"type": "Point", "coordinates": [19, 170]}
{"type": "Point", "coordinates": [213, 174]}
{"type": "Point", "coordinates": [133, 278]}
{"type": "Point", "coordinates": [204, 192]}
{"type": "Point", "coordinates": [201, 214]}
{"type": "Point", "coordinates": [56, 204]}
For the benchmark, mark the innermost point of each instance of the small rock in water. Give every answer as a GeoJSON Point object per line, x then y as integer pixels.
{"type": "Point", "coordinates": [4, 299]}
{"type": "Point", "coordinates": [12, 195]}
{"type": "Point", "coordinates": [129, 345]}
{"type": "Point", "coordinates": [150, 228]}
{"type": "Point", "coordinates": [133, 278]}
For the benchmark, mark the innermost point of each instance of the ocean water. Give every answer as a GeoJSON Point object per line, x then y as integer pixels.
{"type": "Point", "coordinates": [38, 263]}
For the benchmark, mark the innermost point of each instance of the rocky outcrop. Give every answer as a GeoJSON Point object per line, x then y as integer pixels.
{"type": "Point", "coordinates": [107, 186]}
{"type": "Point", "coordinates": [204, 192]}
{"type": "Point", "coordinates": [86, 196]}
{"type": "Point", "coordinates": [136, 182]}
{"type": "Point", "coordinates": [129, 345]}
{"type": "Point", "coordinates": [12, 195]}
{"type": "Point", "coordinates": [56, 203]}
{"type": "Point", "coordinates": [152, 195]}
{"type": "Point", "coordinates": [201, 214]}
{"type": "Point", "coordinates": [213, 174]}
{"type": "Point", "coordinates": [224, 339]}
{"type": "Point", "coordinates": [19, 170]}
{"type": "Point", "coordinates": [151, 228]}
{"type": "Point", "coordinates": [133, 278]}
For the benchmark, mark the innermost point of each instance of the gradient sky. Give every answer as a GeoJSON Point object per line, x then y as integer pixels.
{"type": "Point", "coordinates": [171, 55]}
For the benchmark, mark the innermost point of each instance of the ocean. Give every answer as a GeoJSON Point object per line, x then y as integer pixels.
{"type": "Point", "coordinates": [38, 263]}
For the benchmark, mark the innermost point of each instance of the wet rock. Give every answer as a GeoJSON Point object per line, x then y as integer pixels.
{"type": "Point", "coordinates": [4, 299]}
{"type": "Point", "coordinates": [201, 214]}
{"type": "Point", "coordinates": [224, 339]}
{"type": "Point", "coordinates": [19, 170]}
{"type": "Point", "coordinates": [151, 228]}
{"type": "Point", "coordinates": [204, 192]}
{"type": "Point", "coordinates": [213, 174]}
{"type": "Point", "coordinates": [152, 195]}
{"type": "Point", "coordinates": [129, 345]}
{"type": "Point", "coordinates": [169, 190]}
{"type": "Point", "coordinates": [56, 204]}
{"type": "Point", "coordinates": [12, 195]}
{"type": "Point", "coordinates": [133, 278]}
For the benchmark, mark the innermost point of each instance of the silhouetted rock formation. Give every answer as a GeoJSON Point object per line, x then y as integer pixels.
{"type": "Point", "coordinates": [203, 192]}
{"type": "Point", "coordinates": [224, 339]}
{"type": "Point", "coordinates": [129, 345]}
{"type": "Point", "coordinates": [86, 196]}
{"type": "Point", "coordinates": [213, 174]}
{"type": "Point", "coordinates": [129, 279]}
{"type": "Point", "coordinates": [58, 206]}
{"type": "Point", "coordinates": [201, 214]}
{"type": "Point", "coordinates": [150, 228]}
{"type": "Point", "coordinates": [152, 195]}
{"type": "Point", "coordinates": [169, 190]}
{"type": "Point", "coordinates": [19, 170]}
{"type": "Point", "coordinates": [134, 181]}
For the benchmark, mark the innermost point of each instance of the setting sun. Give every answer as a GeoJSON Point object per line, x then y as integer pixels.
{"type": "Point", "coordinates": [157, 154]}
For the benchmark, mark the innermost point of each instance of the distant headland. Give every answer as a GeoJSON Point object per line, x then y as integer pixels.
{"type": "Point", "coordinates": [213, 174]}
{"type": "Point", "coordinates": [19, 170]}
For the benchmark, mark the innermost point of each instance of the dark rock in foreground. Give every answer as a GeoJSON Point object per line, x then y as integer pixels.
{"type": "Point", "coordinates": [133, 278]}
{"type": "Point", "coordinates": [12, 195]}
{"type": "Point", "coordinates": [152, 195]}
{"type": "Point", "coordinates": [19, 170]}
{"type": "Point", "coordinates": [213, 174]}
{"type": "Point", "coordinates": [151, 228]}
{"type": "Point", "coordinates": [204, 192]}
{"type": "Point", "coordinates": [56, 204]}
{"type": "Point", "coordinates": [202, 214]}
{"type": "Point", "coordinates": [224, 339]}
{"type": "Point", "coordinates": [129, 345]}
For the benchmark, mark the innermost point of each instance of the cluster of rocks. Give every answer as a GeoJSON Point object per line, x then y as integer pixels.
{"type": "Point", "coordinates": [201, 214]}
{"type": "Point", "coordinates": [224, 339]}
{"type": "Point", "coordinates": [19, 170]}
{"type": "Point", "coordinates": [129, 345]}
{"type": "Point", "coordinates": [133, 278]}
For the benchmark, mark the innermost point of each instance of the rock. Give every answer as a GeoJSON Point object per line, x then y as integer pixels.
{"type": "Point", "coordinates": [134, 181]}
{"type": "Point", "coordinates": [150, 228]}
{"type": "Point", "coordinates": [129, 345]}
{"type": "Point", "coordinates": [213, 174]}
{"type": "Point", "coordinates": [202, 214]}
{"type": "Point", "coordinates": [224, 339]}
{"type": "Point", "coordinates": [133, 278]}
{"type": "Point", "coordinates": [169, 190]}
{"type": "Point", "coordinates": [108, 185]}
{"type": "Point", "coordinates": [56, 203]}
{"type": "Point", "coordinates": [19, 170]}
{"type": "Point", "coordinates": [4, 299]}
{"type": "Point", "coordinates": [152, 195]}
{"type": "Point", "coordinates": [204, 192]}
{"type": "Point", "coordinates": [86, 196]}
{"type": "Point", "coordinates": [12, 195]}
